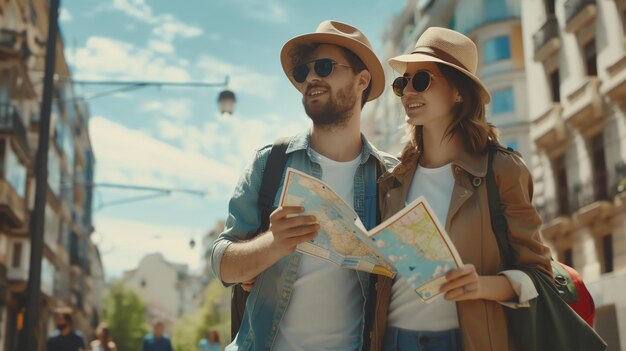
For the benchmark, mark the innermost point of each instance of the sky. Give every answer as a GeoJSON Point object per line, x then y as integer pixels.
{"type": "Point", "coordinates": [176, 138]}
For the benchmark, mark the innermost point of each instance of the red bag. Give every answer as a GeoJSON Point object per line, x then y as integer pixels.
{"type": "Point", "coordinates": [583, 305]}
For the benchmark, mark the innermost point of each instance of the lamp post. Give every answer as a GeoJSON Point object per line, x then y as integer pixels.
{"type": "Point", "coordinates": [226, 99]}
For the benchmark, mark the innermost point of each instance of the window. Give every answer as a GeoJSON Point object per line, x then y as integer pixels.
{"type": "Point", "coordinates": [599, 167]}
{"type": "Point", "coordinates": [555, 86]}
{"type": "Point", "coordinates": [54, 171]}
{"type": "Point", "coordinates": [496, 10]}
{"type": "Point", "coordinates": [607, 253]}
{"type": "Point", "coordinates": [560, 172]}
{"type": "Point", "coordinates": [550, 8]}
{"type": "Point", "coordinates": [15, 173]}
{"type": "Point", "coordinates": [16, 262]}
{"type": "Point", "coordinates": [589, 54]}
{"type": "Point", "coordinates": [497, 49]}
{"type": "Point", "coordinates": [502, 101]}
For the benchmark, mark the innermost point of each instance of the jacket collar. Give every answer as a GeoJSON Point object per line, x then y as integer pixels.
{"type": "Point", "coordinates": [475, 165]}
{"type": "Point", "coordinates": [302, 141]}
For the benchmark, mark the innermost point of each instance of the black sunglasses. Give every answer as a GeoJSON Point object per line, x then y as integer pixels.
{"type": "Point", "coordinates": [323, 68]}
{"type": "Point", "coordinates": [421, 81]}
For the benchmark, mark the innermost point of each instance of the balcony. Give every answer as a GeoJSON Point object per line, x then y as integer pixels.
{"type": "Point", "coordinates": [548, 131]}
{"type": "Point", "coordinates": [12, 207]}
{"type": "Point", "coordinates": [10, 40]}
{"type": "Point", "coordinates": [585, 106]}
{"type": "Point", "coordinates": [589, 201]}
{"type": "Point", "coordinates": [546, 41]}
{"type": "Point", "coordinates": [578, 13]}
{"type": "Point", "coordinates": [615, 84]}
{"type": "Point", "coordinates": [11, 124]}
{"type": "Point", "coordinates": [551, 210]}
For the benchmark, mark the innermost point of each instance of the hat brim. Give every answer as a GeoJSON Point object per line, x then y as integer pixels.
{"type": "Point", "coordinates": [400, 64]}
{"type": "Point", "coordinates": [361, 50]}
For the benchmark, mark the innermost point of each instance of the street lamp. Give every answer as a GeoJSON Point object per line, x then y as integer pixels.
{"type": "Point", "coordinates": [226, 99]}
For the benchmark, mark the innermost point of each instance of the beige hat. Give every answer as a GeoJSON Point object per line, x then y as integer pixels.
{"type": "Point", "coordinates": [344, 35]}
{"type": "Point", "coordinates": [444, 46]}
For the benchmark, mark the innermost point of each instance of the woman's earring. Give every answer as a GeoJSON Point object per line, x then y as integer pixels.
{"type": "Point", "coordinates": [458, 99]}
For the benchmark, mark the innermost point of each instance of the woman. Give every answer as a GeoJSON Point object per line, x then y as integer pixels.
{"type": "Point", "coordinates": [103, 341]}
{"type": "Point", "coordinates": [211, 342]}
{"type": "Point", "coordinates": [446, 161]}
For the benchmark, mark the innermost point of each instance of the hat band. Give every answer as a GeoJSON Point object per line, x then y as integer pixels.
{"type": "Point", "coordinates": [440, 54]}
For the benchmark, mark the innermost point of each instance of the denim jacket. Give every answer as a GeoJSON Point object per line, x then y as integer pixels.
{"type": "Point", "coordinates": [270, 296]}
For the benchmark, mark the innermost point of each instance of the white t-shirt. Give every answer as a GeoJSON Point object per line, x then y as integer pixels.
{"type": "Point", "coordinates": [326, 305]}
{"type": "Point", "coordinates": [406, 310]}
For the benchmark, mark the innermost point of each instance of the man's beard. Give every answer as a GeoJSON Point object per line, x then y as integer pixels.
{"type": "Point", "coordinates": [61, 327]}
{"type": "Point", "coordinates": [336, 111]}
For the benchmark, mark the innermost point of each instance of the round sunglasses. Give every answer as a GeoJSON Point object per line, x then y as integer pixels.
{"type": "Point", "coordinates": [323, 68]}
{"type": "Point", "coordinates": [421, 81]}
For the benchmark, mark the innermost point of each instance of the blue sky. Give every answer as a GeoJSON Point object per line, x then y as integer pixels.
{"type": "Point", "coordinates": [175, 138]}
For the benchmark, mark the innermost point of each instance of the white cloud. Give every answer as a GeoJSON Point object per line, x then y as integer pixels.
{"type": "Point", "coordinates": [232, 139]}
{"type": "Point", "coordinates": [242, 79]}
{"type": "Point", "coordinates": [106, 58]}
{"type": "Point", "coordinates": [161, 46]}
{"type": "Point", "coordinates": [266, 11]}
{"type": "Point", "coordinates": [124, 242]}
{"type": "Point", "coordinates": [170, 27]}
{"type": "Point", "coordinates": [135, 8]}
{"type": "Point", "coordinates": [65, 15]}
{"type": "Point", "coordinates": [167, 27]}
{"type": "Point", "coordinates": [175, 108]}
{"type": "Point", "coordinates": [133, 157]}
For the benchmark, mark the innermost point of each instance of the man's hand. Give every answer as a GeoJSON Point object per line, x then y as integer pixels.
{"type": "Point", "coordinates": [248, 285]}
{"type": "Point", "coordinates": [289, 228]}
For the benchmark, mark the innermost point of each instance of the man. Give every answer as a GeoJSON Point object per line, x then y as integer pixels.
{"type": "Point", "coordinates": [300, 302]}
{"type": "Point", "coordinates": [157, 341]}
{"type": "Point", "coordinates": [66, 339]}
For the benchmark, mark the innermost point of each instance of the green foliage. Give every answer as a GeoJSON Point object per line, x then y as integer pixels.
{"type": "Point", "coordinates": [214, 313]}
{"type": "Point", "coordinates": [125, 311]}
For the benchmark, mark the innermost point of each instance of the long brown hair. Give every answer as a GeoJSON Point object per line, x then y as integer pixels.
{"type": "Point", "coordinates": [469, 120]}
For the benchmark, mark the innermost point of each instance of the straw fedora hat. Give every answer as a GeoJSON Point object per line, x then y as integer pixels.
{"type": "Point", "coordinates": [344, 35]}
{"type": "Point", "coordinates": [444, 46]}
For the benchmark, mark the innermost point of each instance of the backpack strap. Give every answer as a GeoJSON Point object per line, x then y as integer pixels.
{"type": "Point", "coordinates": [272, 175]}
{"type": "Point", "coordinates": [499, 223]}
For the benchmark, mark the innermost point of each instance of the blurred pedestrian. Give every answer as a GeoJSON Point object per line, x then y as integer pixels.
{"type": "Point", "coordinates": [103, 341]}
{"type": "Point", "coordinates": [157, 341]}
{"type": "Point", "coordinates": [211, 341]}
{"type": "Point", "coordinates": [66, 339]}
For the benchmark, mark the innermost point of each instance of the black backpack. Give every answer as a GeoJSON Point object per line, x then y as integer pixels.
{"type": "Point", "coordinates": [272, 175]}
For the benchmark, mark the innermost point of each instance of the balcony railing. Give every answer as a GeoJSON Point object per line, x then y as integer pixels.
{"type": "Point", "coordinates": [11, 123]}
{"type": "Point", "coordinates": [547, 32]}
{"type": "Point", "coordinates": [619, 185]}
{"type": "Point", "coordinates": [8, 38]}
{"type": "Point", "coordinates": [573, 8]}
{"type": "Point", "coordinates": [584, 194]}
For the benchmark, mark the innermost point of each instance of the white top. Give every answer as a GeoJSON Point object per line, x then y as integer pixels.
{"type": "Point", "coordinates": [406, 309]}
{"type": "Point", "coordinates": [326, 304]}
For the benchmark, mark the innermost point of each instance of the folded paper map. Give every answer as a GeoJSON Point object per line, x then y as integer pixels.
{"type": "Point", "coordinates": [411, 243]}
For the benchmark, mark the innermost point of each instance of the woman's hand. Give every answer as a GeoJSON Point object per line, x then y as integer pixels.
{"type": "Point", "coordinates": [464, 283]}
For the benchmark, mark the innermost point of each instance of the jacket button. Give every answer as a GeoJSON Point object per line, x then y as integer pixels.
{"type": "Point", "coordinates": [388, 195]}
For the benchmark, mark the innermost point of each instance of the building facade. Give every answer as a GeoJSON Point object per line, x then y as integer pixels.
{"type": "Point", "coordinates": [557, 74]}
{"type": "Point", "coordinates": [168, 289]}
{"type": "Point", "coordinates": [69, 260]}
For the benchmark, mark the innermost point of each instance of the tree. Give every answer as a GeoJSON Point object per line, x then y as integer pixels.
{"type": "Point", "coordinates": [125, 312]}
{"type": "Point", "coordinates": [214, 313]}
